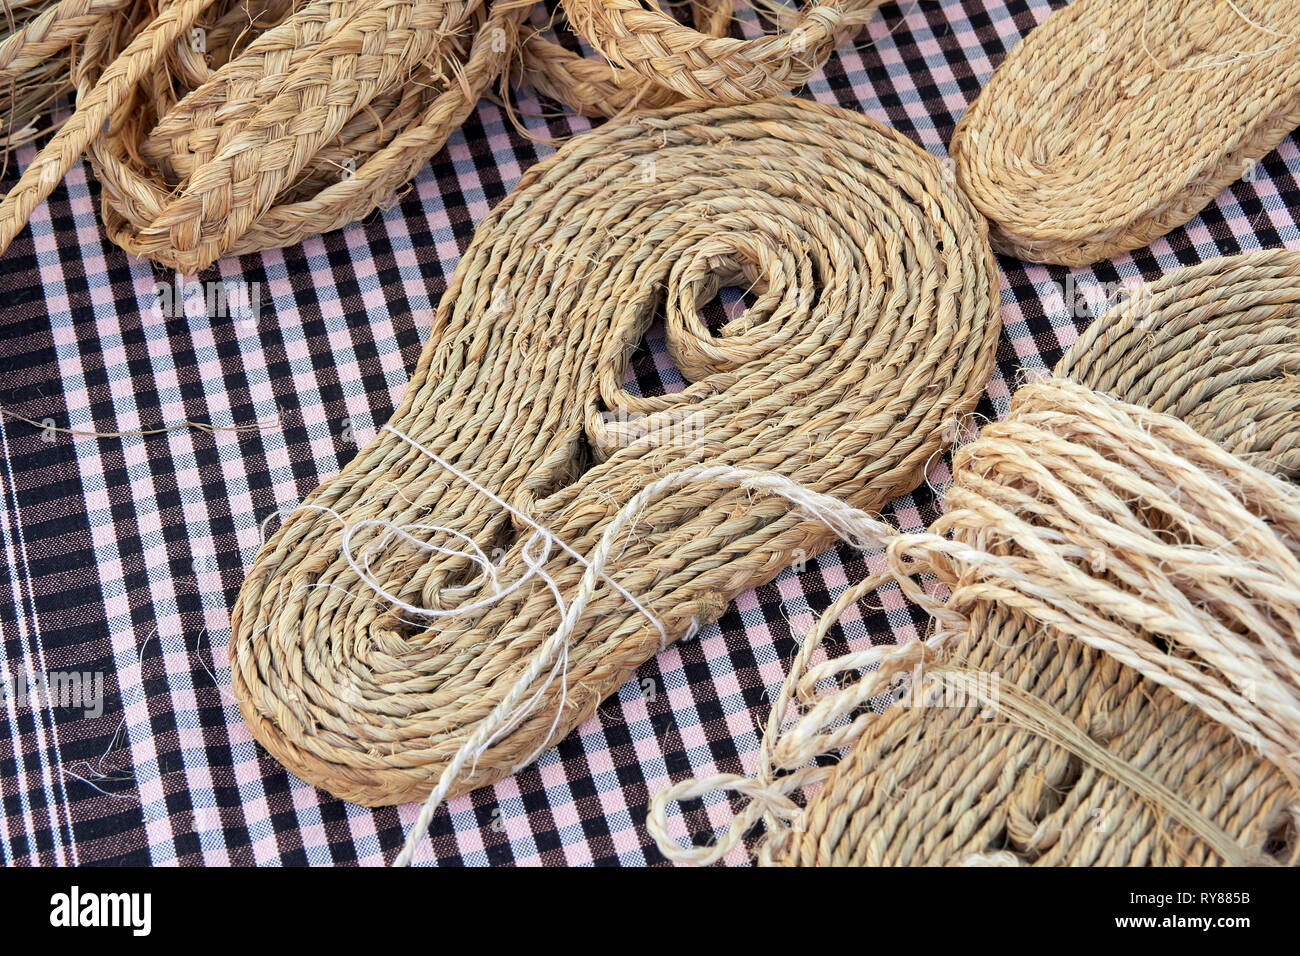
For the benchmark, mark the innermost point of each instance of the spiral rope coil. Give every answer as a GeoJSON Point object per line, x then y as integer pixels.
{"type": "Point", "coordinates": [374, 646]}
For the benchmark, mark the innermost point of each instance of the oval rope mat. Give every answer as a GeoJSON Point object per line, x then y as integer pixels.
{"type": "Point", "coordinates": [1116, 121]}
{"type": "Point", "coordinates": [372, 639]}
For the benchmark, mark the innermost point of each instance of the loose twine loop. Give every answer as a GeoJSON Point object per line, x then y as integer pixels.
{"type": "Point", "coordinates": [222, 127]}
{"type": "Point", "coordinates": [519, 538]}
{"type": "Point", "coordinates": [1114, 121]}
{"type": "Point", "coordinates": [1119, 610]}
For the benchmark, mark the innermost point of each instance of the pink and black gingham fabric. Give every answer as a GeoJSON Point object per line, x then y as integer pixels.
{"type": "Point", "coordinates": [124, 555]}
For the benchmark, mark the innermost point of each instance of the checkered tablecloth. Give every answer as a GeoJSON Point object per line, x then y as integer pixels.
{"type": "Point", "coordinates": [122, 556]}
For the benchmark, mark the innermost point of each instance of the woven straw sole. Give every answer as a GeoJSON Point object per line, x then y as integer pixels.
{"type": "Point", "coordinates": [1115, 121]}
{"type": "Point", "coordinates": [1219, 345]}
{"type": "Point", "coordinates": [874, 328]}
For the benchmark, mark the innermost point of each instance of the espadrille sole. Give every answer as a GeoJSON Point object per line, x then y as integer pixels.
{"type": "Point", "coordinates": [1115, 121]}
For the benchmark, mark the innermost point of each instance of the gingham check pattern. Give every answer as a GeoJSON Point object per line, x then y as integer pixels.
{"type": "Point", "coordinates": [124, 555]}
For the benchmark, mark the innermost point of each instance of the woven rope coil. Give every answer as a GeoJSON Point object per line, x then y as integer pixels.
{"type": "Point", "coordinates": [654, 59]}
{"type": "Point", "coordinates": [1216, 345]}
{"type": "Point", "coordinates": [874, 327]}
{"type": "Point", "coordinates": [225, 128]}
{"type": "Point", "coordinates": [1114, 121]}
{"type": "Point", "coordinates": [1114, 675]}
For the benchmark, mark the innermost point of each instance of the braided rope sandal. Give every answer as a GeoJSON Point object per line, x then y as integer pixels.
{"type": "Point", "coordinates": [375, 644]}
{"type": "Point", "coordinates": [1115, 121]}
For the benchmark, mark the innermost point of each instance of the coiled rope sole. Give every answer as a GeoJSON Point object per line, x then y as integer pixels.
{"type": "Point", "coordinates": [1114, 677]}
{"type": "Point", "coordinates": [1029, 741]}
{"type": "Point", "coordinates": [1116, 121]}
{"type": "Point", "coordinates": [1215, 344]}
{"type": "Point", "coordinates": [873, 331]}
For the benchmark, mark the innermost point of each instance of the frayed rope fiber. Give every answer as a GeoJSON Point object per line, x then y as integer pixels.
{"type": "Point", "coordinates": [380, 648]}
{"type": "Point", "coordinates": [1113, 675]}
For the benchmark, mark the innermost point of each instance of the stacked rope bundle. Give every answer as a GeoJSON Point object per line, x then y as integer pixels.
{"type": "Point", "coordinates": [222, 127]}
{"type": "Point", "coordinates": [227, 127]}
{"type": "Point", "coordinates": [1114, 673]}
{"type": "Point", "coordinates": [655, 60]}
{"type": "Point", "coordinates": [1116, 121]}
{"type": "Point", "coordinates": [382, 652]}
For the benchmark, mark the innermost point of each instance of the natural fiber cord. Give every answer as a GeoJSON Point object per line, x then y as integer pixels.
{"type": "Point", "coordinates": [381, 651]}
{"type": "Point", "coordinates": [1116, 121]}
{"type": "Point", "coordinates": [227, 127]}
{"type": "Point", "coordinates": [1113, 676]}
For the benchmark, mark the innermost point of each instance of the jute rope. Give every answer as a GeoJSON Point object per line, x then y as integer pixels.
{"type": "Point", "coordinates": [225, 127]}
{"type": "Point", "coordinates": [1116, 121]}
{"type": "Point", "coordinates": [381, 651]}
{"type": "Point", "coordinates": [1113, 676]}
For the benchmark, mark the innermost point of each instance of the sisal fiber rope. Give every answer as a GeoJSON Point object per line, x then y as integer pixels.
{"type": "Point", "coordinates": [382, 651]}
{"type": "Point", "coordinates": [225, 127]}
{"type": "Point", "coordinates": [1116, 121]}
{"type": "Point", "coordinates": [1113, 677]}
